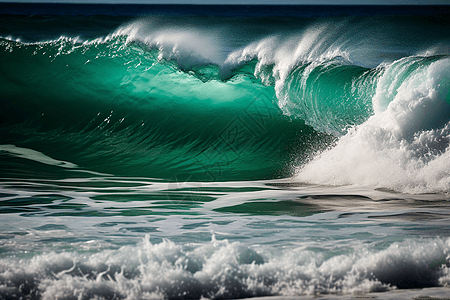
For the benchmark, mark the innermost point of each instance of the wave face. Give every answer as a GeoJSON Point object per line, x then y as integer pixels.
{"type": "Point", "coordinates": [221, 99]}
{"type": "Point", "coordinates": [115, 107]}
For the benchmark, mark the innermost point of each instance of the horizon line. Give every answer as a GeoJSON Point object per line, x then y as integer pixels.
{"type": "Point", "coordinates": [226, 4]}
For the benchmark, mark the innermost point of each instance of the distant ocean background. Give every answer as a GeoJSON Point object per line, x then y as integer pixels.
{"type": "Point", "coordinates": [223, 152]}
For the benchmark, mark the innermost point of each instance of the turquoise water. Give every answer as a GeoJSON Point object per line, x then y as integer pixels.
{"type": "Point", "coordinates": [184, 152]}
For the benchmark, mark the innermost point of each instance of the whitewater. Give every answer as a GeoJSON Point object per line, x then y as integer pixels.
{"type": "Point", "coordinates": [224, 152]}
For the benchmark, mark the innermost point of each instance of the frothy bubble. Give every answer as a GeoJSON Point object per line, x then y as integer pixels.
{"type": "Point", "coordinates": [405, 144]}
{"type": "Point", "coordinates": [222, 269]}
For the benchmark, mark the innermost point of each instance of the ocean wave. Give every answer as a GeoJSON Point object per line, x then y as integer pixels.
{"type": "Point", "coordinates": [152, 100]}
{"type": "Point", "coordinates": [405, 144]}
{"type": "Point", "coordinates": [221, 269]}
{"type": "Point", "coordinates": [168, 119]}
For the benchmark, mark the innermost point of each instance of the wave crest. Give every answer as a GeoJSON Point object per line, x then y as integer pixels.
{"type": "Point", "coordinates": [405, 144]}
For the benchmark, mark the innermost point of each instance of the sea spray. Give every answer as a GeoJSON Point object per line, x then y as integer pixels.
{"type": "Point", "coordinates": [404, 146]}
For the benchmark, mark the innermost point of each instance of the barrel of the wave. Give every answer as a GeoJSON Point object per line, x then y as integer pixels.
{"type": "Point", "coordinates": [330, 95]}
{"type": "Point", "coordinates": [404, 146]}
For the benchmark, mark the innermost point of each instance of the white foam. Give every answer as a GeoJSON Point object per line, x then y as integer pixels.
{"type": "Point", "coordinates": [224, 270]}
{"type": "Point", "coordinates": [405, 144]}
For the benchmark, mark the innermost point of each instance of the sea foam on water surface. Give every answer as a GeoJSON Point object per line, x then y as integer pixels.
{"type": "Point", "coordinates": [222, 269]}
